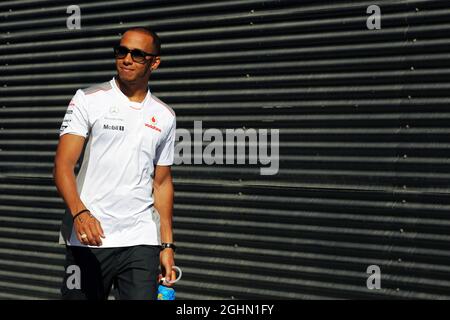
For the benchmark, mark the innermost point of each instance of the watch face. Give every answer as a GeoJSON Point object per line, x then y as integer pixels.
{"type": "Point", "coordinates": [169, 245]}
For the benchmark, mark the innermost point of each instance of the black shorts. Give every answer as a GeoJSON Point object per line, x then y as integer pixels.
{"type": "Point", "coordinates": [91, 272]}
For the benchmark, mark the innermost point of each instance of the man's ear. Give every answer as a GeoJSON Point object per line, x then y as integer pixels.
{"type": "Point", "coordinates": [155, 63]}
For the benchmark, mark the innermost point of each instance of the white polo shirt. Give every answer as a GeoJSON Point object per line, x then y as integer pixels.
{"type": "Point", "coordinates": [125, 140]}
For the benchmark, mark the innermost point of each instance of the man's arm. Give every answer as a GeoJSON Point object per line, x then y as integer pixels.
{"type": "Point", "coordinates": [163, 202]}
{"type": "Point", "coordinates": [67, 155]}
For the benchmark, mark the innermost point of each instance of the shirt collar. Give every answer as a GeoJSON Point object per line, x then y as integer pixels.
{"type": "Point", "coordinates": [133, 104]}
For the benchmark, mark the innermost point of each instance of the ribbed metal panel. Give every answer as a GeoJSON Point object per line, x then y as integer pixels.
{"type": "Point", "coordinates": [364, 141]}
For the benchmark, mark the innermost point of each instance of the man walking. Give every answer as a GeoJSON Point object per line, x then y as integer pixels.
{"type": "Point", "coordinates": [118, 223]}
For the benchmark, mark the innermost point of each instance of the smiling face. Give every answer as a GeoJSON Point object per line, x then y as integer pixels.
{"type": "Point", "coordinates": [135, 72]}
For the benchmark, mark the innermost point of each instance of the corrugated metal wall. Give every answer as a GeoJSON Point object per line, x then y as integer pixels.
{"type": "Point", "coordinates": [364, 141]}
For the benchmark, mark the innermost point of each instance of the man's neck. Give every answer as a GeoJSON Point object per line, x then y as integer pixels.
{"type": "Point", "coordinates": [136, 92]}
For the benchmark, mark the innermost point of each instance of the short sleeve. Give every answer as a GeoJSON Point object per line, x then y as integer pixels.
{"type": "Point", "coordinates": [165, 151]}
{"type": "Point", "coordinates": [76, 120]}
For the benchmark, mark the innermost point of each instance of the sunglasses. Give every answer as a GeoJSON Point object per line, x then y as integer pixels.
{"type": "Point", "coordinates": [137, 55]}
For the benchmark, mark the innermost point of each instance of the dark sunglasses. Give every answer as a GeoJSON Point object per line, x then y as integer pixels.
{"type": "Point", "coordinates": [137, 55]}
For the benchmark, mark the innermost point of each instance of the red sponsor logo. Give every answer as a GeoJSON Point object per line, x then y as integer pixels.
{"type": "Point", "coordinates": [151, 126]}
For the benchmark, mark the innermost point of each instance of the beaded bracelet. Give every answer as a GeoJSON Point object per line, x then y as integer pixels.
{"type": "Point", "coordinates": [84, 210]}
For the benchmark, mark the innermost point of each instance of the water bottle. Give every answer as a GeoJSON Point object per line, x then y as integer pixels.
{"type": "Point", "coordinates": [165, 293]}
{"type": "Point", "coordinates": [168, 293]}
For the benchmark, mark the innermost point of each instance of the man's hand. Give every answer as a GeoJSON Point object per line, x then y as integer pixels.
{"type": "Point", "coordinates": [88, 229]}
{"type": "Point", "coordinates": [167, 262]}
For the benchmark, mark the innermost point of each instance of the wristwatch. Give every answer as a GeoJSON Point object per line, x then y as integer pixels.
{"type": "Point", "coordinates": [168, 245]}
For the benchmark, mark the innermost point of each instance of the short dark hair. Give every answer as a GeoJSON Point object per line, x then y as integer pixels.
{"type": "Point", "coordinates": [150, 32]}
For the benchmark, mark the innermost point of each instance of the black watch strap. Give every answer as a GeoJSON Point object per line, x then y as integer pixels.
{"type": "Point", "coordinates": [168, 245]}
